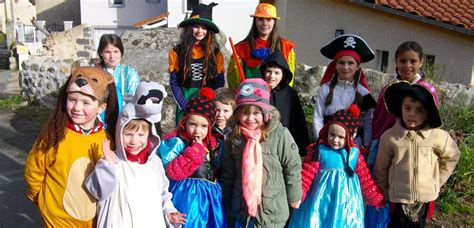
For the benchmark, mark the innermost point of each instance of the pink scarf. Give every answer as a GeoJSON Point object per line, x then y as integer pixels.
{"type": "Point", "coordinates": [252, 168]}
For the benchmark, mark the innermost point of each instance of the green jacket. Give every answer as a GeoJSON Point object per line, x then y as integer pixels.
{"type": "Point", "coordinates": [281, 178]}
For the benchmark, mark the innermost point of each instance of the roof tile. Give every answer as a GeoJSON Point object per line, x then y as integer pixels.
{"type": "Point", "coordinates": [455, 12]}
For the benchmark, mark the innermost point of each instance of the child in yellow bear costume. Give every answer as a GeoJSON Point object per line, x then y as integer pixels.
{"type": "Point", "coordinates": [67, 149]}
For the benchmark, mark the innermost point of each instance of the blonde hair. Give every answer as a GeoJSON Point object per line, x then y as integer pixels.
{"type": "Point", "coordinates": [246, 110]}
{"type": "Point", "coordinates": [225, 96]}
{"type": "Point", "coordinates": [136, 125]}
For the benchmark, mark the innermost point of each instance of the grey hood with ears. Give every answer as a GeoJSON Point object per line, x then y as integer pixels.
{"type": "Point", "coordinates": [146, 104]}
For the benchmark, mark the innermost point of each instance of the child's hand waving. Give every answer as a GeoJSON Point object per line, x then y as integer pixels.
{"type": "Point", "coordinates": [176, 218]}
{"type": "Point", "coordinates": [109, 155]}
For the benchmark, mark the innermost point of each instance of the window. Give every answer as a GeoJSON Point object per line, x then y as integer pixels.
{"type": "Point", "coordinates": [429, 65]}
{"type": "Point", "coordinates": [189, 5]}
{"type": "Point", "coordinates": [116, 3]}
{"type": "Point", "coordinates": [430, 59]}
{"type": "Point", "coordinates": [338, 32]}
{"type": "Point", "coordinates": [382, 60]}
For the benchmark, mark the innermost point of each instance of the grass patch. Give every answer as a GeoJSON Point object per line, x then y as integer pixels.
{"type": "Point", "coordinates": [36, 113]}
{"type": "Point", "coordinates": [11, 101]}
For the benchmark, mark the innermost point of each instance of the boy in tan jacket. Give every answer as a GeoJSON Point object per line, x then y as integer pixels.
{"type": "Point", "coordinates": [415, 156]}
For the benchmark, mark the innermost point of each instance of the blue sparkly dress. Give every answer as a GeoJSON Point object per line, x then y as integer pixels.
{"type": "Point", "coordinates": [334, 199]}
{"type": "Point", "coordinates": [200, 195]}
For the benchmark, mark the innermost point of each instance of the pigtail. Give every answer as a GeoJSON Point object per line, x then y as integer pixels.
{"type": "Point", "coordinates": [331, 89]}
{"type": "Point", "coordinates": [422, 74]}
{"type": "Point", "coordinates": [111, 113]}
{"type": "Point", "coordinates": [358, 100]}
{"type": "Point", "coordinates": [53, 132]}
{"type": "Point", "coordinates": [397, 74]}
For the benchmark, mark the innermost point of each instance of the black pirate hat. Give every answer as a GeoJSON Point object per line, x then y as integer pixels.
{"type": "Point", "coordinates": [348, 42]}
{"type": "Point", "coordinates": [398, 90]}
{"type": "Point", "coordinates": [201, 15]}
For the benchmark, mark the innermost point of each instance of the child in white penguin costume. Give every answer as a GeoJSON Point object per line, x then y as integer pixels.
{"type": "Point", "coordinates": [132, 189]}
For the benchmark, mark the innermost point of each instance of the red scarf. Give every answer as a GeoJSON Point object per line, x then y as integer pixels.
{"type": "Point", "coordinates": [141, 157]}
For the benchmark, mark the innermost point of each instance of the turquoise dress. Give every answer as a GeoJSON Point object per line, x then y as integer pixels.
{"type": "Point", "coordinates": [334, 199]}
{"type": "Point", "coordinates": [126, 80]}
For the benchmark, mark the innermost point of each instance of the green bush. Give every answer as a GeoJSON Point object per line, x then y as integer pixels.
{"type": "Point", "coordinates": [458, 113]}
{"type": "Point", "coordinates": [457, 195]}
{"type": "Point", "coordinates": [460, 181]}
{"type": "Point", "coordinates": [2, 37]}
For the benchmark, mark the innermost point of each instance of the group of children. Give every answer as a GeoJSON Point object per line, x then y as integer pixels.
{"type": "Point", "coordinates": [234, 159]}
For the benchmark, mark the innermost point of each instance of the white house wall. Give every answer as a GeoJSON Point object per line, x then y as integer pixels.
{"type": "Point", "coordinates": [312, 23]}
{"type": "Point", "coordinates": [231, 16]}
{"type": "Point", "coordinates": [98, 12]}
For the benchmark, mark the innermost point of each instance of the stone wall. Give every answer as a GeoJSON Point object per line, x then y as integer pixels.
{"type": "Point", "coordinates": [43, 76]}
{"type": "Point", "coordinates": [74, 43]}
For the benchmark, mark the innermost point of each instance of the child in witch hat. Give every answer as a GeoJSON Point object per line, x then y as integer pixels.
{"type": "Point", "coordinates": [191, 156]}
{"type": "Point", "coordinates": [344, 83]}
{"type": "Point", "coordinates": [335, 178]}
{"type": "Point", "coordinates": [415, 156]}
{"type": "Point", "coordinates": [262, 40]}
{"type": "Point", "coordinates": [196, 61]}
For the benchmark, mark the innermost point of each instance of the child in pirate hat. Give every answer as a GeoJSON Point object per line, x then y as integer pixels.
{"type": "Point", "coordinates": [344, 83]}
{"type": "Point", "coordinates": [415, 153]}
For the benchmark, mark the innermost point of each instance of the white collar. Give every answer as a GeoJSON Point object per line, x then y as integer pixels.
{"type": "Point", "coordinates": [345, 82]}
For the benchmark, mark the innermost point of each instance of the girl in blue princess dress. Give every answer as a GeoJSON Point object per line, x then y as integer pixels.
{"type": "Point", "coordinates": [335, 178]}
